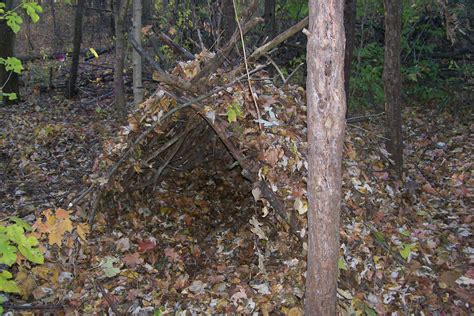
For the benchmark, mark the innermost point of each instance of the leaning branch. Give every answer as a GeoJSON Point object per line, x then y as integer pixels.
{"type": "Point", "coordinates": [159, 74]}
{"type": "Point", "coordinates": [262, 50]}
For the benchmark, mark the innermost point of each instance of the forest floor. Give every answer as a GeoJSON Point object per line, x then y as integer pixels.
{"type": "Point", "coordinates": [404, 248]}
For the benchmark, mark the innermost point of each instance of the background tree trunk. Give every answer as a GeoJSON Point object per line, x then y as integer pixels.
{"type": "Point", "coordinates": [71, 83]}
{"type": "Point", "coordinates": [393, 83]}
{"type": "Point", "coordinates": [147, 11]}
{"type": "Point", "coordinates": [326, 126]}
{"type": "Point", "coordinates": [136, 58]}
{"type": "Point", "coordinates": [228, 19]}
{"type": "Point", "coordinates": [119, 87]}
{"type": "Point", "coordinates": [269, 17]}
{"type": "Point", "coordinates": [8, 79]}
{"type": "Point", "coordinates": [350, 9]}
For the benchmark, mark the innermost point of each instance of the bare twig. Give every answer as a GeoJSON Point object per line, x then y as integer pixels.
{"type": "Point", "coordinates": [254, 99]}
{"type": "Point", "coordinates": [363, 117]}
{"type": "Point", "coordinates": [292, 74]}
{"type": "Point", "coordinates": [262, 50]}
{"type": "Point", "coordinates": [277, 68]}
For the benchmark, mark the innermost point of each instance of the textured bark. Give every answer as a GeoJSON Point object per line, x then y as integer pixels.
{"type": "Point", "coordinates": [119, 87]}
{"type": "Point", "coordinates": [136, 57]}
{"type": "Point", "coordinates": [8, 80]}
{"type": "Point", "coordinates": [269, 16]}
{"type": "Point", "coordinates": [350, 7]}
{"type": "Point", "coordinates": [326, 126]}
{"type": "Point", "coordinates": [229, 25]}
{"type": "Point", "coordinates": [71, 83]}
{"type": "Point", "coordinates": [393, 83]}
{"type": "Point", "coordinates": [148, 11]}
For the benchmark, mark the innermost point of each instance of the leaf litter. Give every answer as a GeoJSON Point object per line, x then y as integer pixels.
{"type": "Point", "coordinates": [201, 243]}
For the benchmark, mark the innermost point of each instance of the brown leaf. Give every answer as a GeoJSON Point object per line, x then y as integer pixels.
{"type": "Point", "coordinates": [429, 189]}
{"type": "Point", "coordinates": [132, 260]}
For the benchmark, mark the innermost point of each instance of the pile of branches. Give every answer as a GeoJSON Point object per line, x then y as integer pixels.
{"type": "Point", "coordinates": [199, 111]}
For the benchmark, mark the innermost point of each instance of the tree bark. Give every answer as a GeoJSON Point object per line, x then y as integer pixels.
{"type": "Point", "coordinates": [71, 83]}
{"type": "Point", "coordinates": [136, 57]}
{"type": "Point", "coordinates": [8, 79]}
{"type": "Point", "coordinates": [119, 87]}
{"type": "Point", "coordinates": [326, 126]}
{"type": "Point", "coordinates": [269, 16]}
{"type": "Point", "coordinates": [393, 83]}
{"type": "Point", "coordinates": [350, 7]}
{"type": "Point", "coordinates": [229, 25]}
{"type": "Point", "coordinates": [148, 10]}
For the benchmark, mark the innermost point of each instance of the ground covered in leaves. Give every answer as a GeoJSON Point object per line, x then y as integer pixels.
{"type": "Point", "coordinates": [201, 244]}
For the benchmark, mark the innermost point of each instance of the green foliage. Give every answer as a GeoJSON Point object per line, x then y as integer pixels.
{"type": "Point", "coordinates": [422, 35]}
{"type": "Point", "coordinates": [294, 10]}
{"type": "Point", "coordinates": [14, 239]}
{"type": "Point", "coordinates": [234, 111]}
{"type": "Point", "coordinates": [13, 21]}
{"type": "Point", "coordinates": [12, 64]}
{"type": "Point", "coordinates": [32, 9]}
{"type": "Point", "coordinates": [366, 82]}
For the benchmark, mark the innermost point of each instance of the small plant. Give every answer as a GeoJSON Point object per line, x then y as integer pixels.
{"type": "Point", "coordinates": [14, 238]}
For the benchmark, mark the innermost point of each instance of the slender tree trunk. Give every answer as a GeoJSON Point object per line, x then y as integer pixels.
{"type": "Point", "coordinates": [147, 12]}
{"type": "Point", "coordinates": [269, 17]}
{"type": "Point", "coordinates": [393, 83]}
{"type": "Point", "coordinates": [57, 33]}
{"type": "Point", "coordinates": [326, 126]}
{"type": "Point", "coordinates": [350, 7]}
{"type": "Point", "coordinates": [71, 83]}
{"type": "Point", "coordinates": [136, 57]}
{"type": "Point", "coordinates": [228, 19]}
{"type": "Point", "coordinates": [119, 86]}
{"type": "Point", "coordinates": [8, 79]}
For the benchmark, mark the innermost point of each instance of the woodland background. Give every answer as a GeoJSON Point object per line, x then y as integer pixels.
{"type": "Point", "coordinates": [204, 213]}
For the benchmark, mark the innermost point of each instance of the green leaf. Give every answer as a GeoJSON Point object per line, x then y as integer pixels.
{"type": "Point", "coordinates": [12, 64]}
{"type": "Point", "coordinates": [369, 311]}
{"type": "Point", "coordinates": [13, 21]}
{"type": "Point", "coordinates": [7, 285]}
{"type": "Point", "coordinates": [11, 96]}
{"type": "Point", "coordinates": [32, 9]}
{"type": "Point", "coordinates": [231, 115]}
{"type": "Point", "coordinates": [341, 264]}
{"type": "Point", "coordinates": [406, 251]}
{"type": "Point", "coordinates": [94, 53]}
{"type": "Point", "coordinates": [379, 236]}
{"type": "Point", "coordinates": [32, 254]}
{"type": "Point", "coordinates": [16, 234]}
{"type": "Point", "coordinates": [7, 253]}
{"type": "Point", "coordinates": [21, 222]}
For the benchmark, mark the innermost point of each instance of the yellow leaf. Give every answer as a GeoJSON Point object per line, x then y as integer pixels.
{"type": "Point", "coordinates": [94, 52]}
{"type": "Point", "coordinates": [83, 230]}
{"type": "Point", "coordinates": [25, 282]}
{"type": "Point", "coordinates": [57, 232]}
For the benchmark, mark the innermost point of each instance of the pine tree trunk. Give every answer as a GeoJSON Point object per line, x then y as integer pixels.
{"type": "Point", "coordinates": [326, 127]}
{"type": "Point", "coordinates": [71, 83]}
{"type": "Point", "coordinates": [393, 83]}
